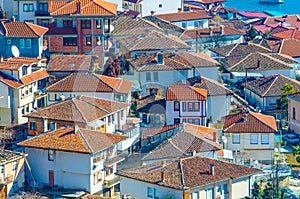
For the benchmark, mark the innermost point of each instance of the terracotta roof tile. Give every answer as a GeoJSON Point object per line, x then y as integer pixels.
{"type": "Point", "coordinates": [184, 16]}
{"type": "Point", "coordinates": [34, 76]}
{"type": "Point", "coordinates": [290, 47]}
{"type": "Point", "coordinates": [271, 85]}
{"type": "Point", "coordinates": [213, 87]}
{"type": "Point", "coordinates": [149, 132]}
{"type": "Point", "coordinates": [286, 20]}
{"type": "Point", "coordinates": [23, 29]}
{"type": "Point", "coordinates": [83, 8]}
{"type": "Point", "coordinates": [183, 92]}
{"type": "Point", "coordinates": [71, 63]}
{"type": "Point", "coordinates": [188, 172]}
{"type": "Point", "coordinates": [82, 82]}
{"type": "Point", "coordinates": [70, 140]}
{"type": "Point", "coordinates": [249, 122]}
{"type": "Point", "coordinates": [295, 96]}
{"type": "Point", "coordinates": [81, 109]}
{"type": "Point", "coordinates": [205, 32]}
{"type": "Point", "coordinates": [152, 104]}
{"type": "Point", "coordinates": [287, 34]}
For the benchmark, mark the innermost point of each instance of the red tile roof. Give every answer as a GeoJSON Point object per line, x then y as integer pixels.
{"type": "Point", "coordinates": [249, 122]}
{"type": "Point", "coordinates": [286, 20]}
{"type": "Point", "coordinates": [82, 8]}
{"type": "Point", "coordinates": [23, 29]}
{"type": "Point", "coordinates": [70, 140]}
{"type": "Point", "coordinates": [253, 14]}
{"type": "Point", "coordinates": [16, 63]}
{"type": "Point", "coordinates": [290, 47]}
{"type": "Point", "coordinates": [184, 16]}
{"type": "Point", "coordinates": [149, 132]}
{"type": "Point", "coordinates": [188, 172]}
{"type": "Point", "coordinates": [183, 92]}
{"type": "Point", "coordinates": [81, 82]}
{"type": "Point", "coordinates": [287, 34]}
{"type": "Point", "coordinates": [205, 32]}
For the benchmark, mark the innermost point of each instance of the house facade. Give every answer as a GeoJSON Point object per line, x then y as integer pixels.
{"type": "Point", "coordinates": [250, 135]}
{"type": "Point", "coordinates": [29, 41]}
{"type": "Point", "coordinates": [87, 163]}
{"type": "Point", "coordinates": [186, 104]}
{"type": "Point", "coordinates": [93, 85]}
{"type": "Point", "coordinates": [159, 7]}
{"type": "Point", "coordinates": [199, 176]}
{"type": "Point", "coordinates": [12, 176]}
{"type": "Point", "coordinates": [86, 32]}
{"type": "Point", "coordinates": [293, 113]}
{"type": "Point", "coordinates": [20, 87]}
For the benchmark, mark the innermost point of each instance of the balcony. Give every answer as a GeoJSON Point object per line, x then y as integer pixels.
{"type": "Point", "coordinates": [41, 13]}
{"type": "Point", "coordinates": [112, 182]}
{"type": "Point", "coordinates": [8, 179]}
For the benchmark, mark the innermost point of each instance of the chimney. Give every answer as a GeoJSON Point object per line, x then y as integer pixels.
{"type": "Point", "coordinates": [77, 7]}
{"type": "Point", "coordinates": [222, 29]}
{"type": "Point", "coordinates": [210, 30]}
{"type": "Point", "coordinates": [162, 176]}
{"type": "Point", "coordinates": [212, 169]}
{"type": "Point", "coordinates": [152, 12]}
{"type": "Point", "coordinates": [179, 10]}
{"type": "Point", "coordinates": [258, 64]}
{"type": "Point", "coordinates": [214, 136]}
{"type": "Point", "coordinates": [13, 18]}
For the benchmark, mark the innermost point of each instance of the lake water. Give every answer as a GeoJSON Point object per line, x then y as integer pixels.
{"type": "Point", "coordinates": [288, 7]}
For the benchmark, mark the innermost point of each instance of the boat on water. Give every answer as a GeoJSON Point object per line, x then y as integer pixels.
{"type": "Point", "coordinates": [271, 1]}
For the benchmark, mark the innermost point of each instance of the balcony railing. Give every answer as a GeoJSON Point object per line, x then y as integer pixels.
{"type": "Point", "coordinates": [8, 179]}
{"type": "Point", "coordinates": [42, 13]}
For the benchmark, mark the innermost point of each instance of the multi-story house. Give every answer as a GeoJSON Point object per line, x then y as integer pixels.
{"type": "Point", "coordinates": [204, 4]}
{"type": "Point", "coordinates": [92, 85]}
{"type": "Point", "coordinates": [218, 97]}
{"type": "Point", "coordinates": [250, 135]}
{"type": "Point", "coordinates": [266, 92]}
{"type": "Point", "coordinates": [20, 86]}
{"type": "Point", "coordinates": [294, 112]}
{"type": "Point", "coordinates": [27, 37]}
{"type": "Point", "coordinates": [80, 27]}
{"type": "Point", "coordinates": [188, 20]}
{"type": "Point", "coordinates": [12, 175]}
{"type": "Point", "coordinates": [77, 159]}
{"type": "Point", "coordinates": [158, 71]}
{"type": "Point", "coordinates": [188, 178]}
{"type": "Point", "coordinates": [98, 114]}
{"type": "Point", "coordinates": [186, 104]}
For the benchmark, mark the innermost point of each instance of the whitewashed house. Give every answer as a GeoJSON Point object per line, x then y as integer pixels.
{"type": "Point", "coordinates": [92, 85]}
{"type": "Point", "coordinates": [266, 92]}
{"type": "Point", "coordinates": [190, 140]}
{"type": "Point", "coordinates": [98, 114]}
{"type": "Point", "coordinates": [158, 71]}
{"type": "Point", "coordinates": [148, 7]}
{"type": "Point", "coordinates": [77, 159]}
{"type": "Point", "coordinates": [250, 135]}
{"type": "Point", "coordinates": [20, 86]}
{"type": "Point", "coordinates": [188, 178]}
{"type": "Point", "coordinates": [218, 97]}
{"type": "Point", "coordinates": [188, 20]}
{"type": "Point", "coordinates": [293, 112]}
{"type": "Point", "coordinates": [186, 104]}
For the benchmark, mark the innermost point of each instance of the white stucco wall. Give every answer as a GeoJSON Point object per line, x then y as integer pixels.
{"type": "Point", "coordinates": [218, 106]}
{"type": "Point", "coordinates": [166, 6]}
{"type": "Point", "coordinates": [209, 72]}
{"type": "Point", "coordinates": [241, 188]}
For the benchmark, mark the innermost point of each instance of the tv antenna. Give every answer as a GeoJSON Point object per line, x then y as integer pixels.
{"type": "Point", "coordinates": [15, 51]}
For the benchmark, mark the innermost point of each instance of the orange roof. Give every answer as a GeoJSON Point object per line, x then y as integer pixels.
{"type": "Point", "coordinates": [184, 16]}
{"type": "Point", "coordinates": [79, 140]}
{"type": "Point", "coordinates": [16, 62]}
{"type": "Point", "coordinates": [35, 76]}
{"type": "Point", "coordinates": [290, 47]}
{"type": "Point", "coordinates": [23, 29]}
{"type": "Point", "coordinates": [118, 84]}
{"type": "Point", "coordinates": [183, 92]}
{"type": "Point", "coordinates": [288, 34]}
{"type": "Point", "coordinates": [82, 8]}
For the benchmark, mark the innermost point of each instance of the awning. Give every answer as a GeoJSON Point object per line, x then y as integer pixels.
{"type": "Point", "coordinates": [96, 123]}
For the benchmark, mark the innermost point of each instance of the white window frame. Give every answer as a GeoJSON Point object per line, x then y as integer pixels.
{"type": "Point", "coordinates": [254, 138]}
{"type": "Point", "coordinates": [236, 138]}
{"type": "Point", "coordinates": [263, 138]}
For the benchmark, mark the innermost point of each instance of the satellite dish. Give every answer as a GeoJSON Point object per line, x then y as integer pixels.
{"type": "Point", "coordinates": [15, 51]}
{"type": "Point", "coordinates": [224, 139]}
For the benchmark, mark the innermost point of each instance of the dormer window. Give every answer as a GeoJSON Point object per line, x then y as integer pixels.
{"type": "Point", "coordinates": [24, 70]}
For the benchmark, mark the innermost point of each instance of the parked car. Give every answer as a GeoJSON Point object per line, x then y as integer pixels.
{"type": "Point", "coordinates": [291, 138]}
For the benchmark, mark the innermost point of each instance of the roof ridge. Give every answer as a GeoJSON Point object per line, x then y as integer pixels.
{"type": "Point", "coordinates": [181, 171]}
{"type": "Point", "coordinates": [63, 79]}
{"type": "Point", "coordinates": [273, 82]}
{"type": "Point", "coordinates": [107, 112]}
{"type": "Point", "coordinates": [273, 58]}
{"type": "Point", "coordinates": [61, 7]}
{"type": "Point", "coordinates": [251, 113]}
{"type": "Point", "coordinates": [98, 76]}
{"type": "Point", "coordinates": [76, 105]}
{"type": "Point", "coordinates": [230, 68]}
{"type": "Point", "coordinates": [235, 46]}
{"type": "Point", "coordinates": [84, 139]}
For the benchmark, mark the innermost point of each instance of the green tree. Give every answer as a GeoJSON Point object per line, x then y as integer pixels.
{"type": "Point", "coordinates": [296, 150]}
{"type": "Point", "coordinates": [287, 89]}
{"type": "Point", "coordinates": [255, 192]}
{"type": "Point", "coordinates": [251, 33]}
{"type": "Point", "coordinates": [267, 34]}
{"type": "Point", "coordinates": [268, 192]}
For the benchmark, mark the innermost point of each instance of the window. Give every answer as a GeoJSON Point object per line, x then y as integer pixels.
{"type": "Point", "coordinates": [196, 24]}
{"type": "Point", "coordinates": [44, 22]}
{"type": "Point", "coordinates": [176, 121]}
{"type": "Point", "coordinates": [190, 106]}
{"type": "Point", "coordinates": [28, 43]}
{"type": "Point", "coordinates": [85, 24]}
{"type": "Point", "coordinates": [235, 138]}
{"type": "Point", "coordinates": [109, 170]}
{"type": "Point", "coordinates": [98, 23]}
{"type": "Point", "coordinates": [150, 192]}
{"type": "Point", "coordinates": [160, 5]}
{"type": "Point", "coordinates": [264, 138]}
{"type": "Point", "coordinates": [43, 7]}
{"type": "Point", "coordinates": [51, 126]}
{"type": "Point", "coordinates": [70, 41]}
{"type": "Point", "coordinates": [254, 138]}
{"type": "Point", "coordinates": [155, 76]}
{"type": "Point", "coordinates": [148, 76]}
{"type": "Point", "coordinates": [98, 41]}
{"type": "Point", "coordinates": [25, 7]}
{"type": "Point", "coordinates": [67, 23]}
{"type": "Point", "coordinates": [8, 41]}
{"type": "Point", "coordinates": [225, 188]}
{"type": "Point", "coordinates": [196, 106]}
{"type": "Point", "coordinates": [184, 106]}
{"type": "Point", "coordinates": [88, 41]}
{"type": "Point", "coordinates": [156, 194]}
{"type": "Point", "coordinates": [24, 70]}
{"type": "Point", "coordinates": [97, 177]}
{"type": "Point", "coordinates": [176, 105]}
{"type": "Point", "coordinates": [183, 24]}
{"type": "Point", "coordinates": [23, 111]}
{"type": "Point", "coordinates": [51, 155]}
{"type": "Point", "coordinates": [27, 109]}
{"type": "Point", "coordinates": [294, 113]}
{"type": "Point", "coordinates": [33, 126]}
{"type": "Point", "coordinates": [106, 25]}
{"type": "Point", "coordinates": [14, 165]}
{"type": "Point", "coordinates": [28, 7]}
{"type": "Point", "coordinates": [22, 43]}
